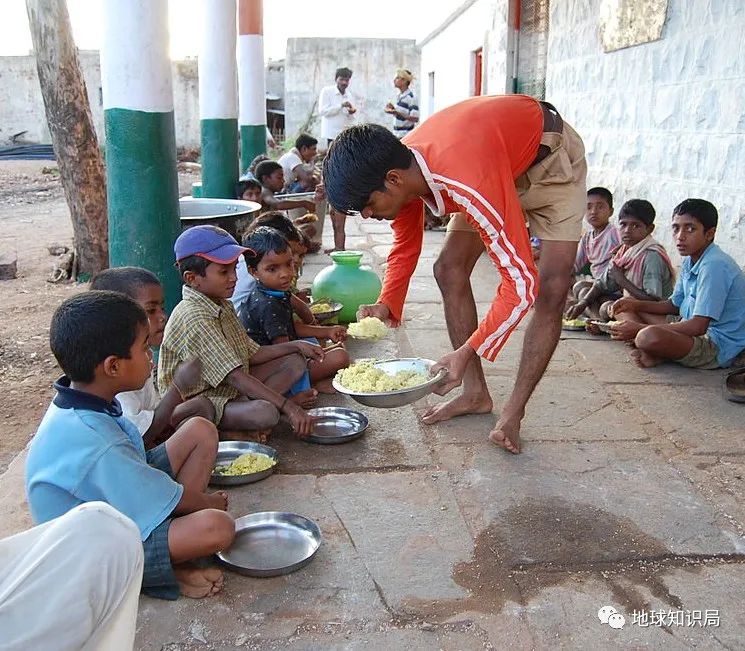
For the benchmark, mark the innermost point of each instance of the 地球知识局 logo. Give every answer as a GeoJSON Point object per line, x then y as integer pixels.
{"type": "Point", "coordinates": [609, 615]}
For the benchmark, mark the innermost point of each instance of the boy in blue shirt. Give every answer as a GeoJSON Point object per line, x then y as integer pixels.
{"type": "Point", "coordinates": [702, 325]}
{"type": "Point", "coordinates": [85, 450]}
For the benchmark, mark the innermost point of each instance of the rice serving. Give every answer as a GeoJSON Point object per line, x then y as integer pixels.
{"type": "Point", "coordinates": [363, 377]}
{"type": "Point", "coordinates": [319, 308]}
{"type": "Point", "coordinates": [246, 464]}
{"type": "Point", "coordinates": [368, 328]}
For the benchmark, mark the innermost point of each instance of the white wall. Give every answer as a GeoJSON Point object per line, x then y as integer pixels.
{"type": "Point", "coordinates": [664, 120]}
{"type": "Point", "coordinates": [449, 54]}
{"type": "Point", "coordinates": [22, 108]}
{"type": "Point", "coordinates": [310, 65]}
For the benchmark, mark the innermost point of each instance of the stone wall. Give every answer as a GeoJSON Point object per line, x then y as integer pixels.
{"type": "Point", "coordinates": [663, 120]}
{"type": "Point", "coordinates": [310, 65]}
{"type": "Point", "coordinates": [22, 108]}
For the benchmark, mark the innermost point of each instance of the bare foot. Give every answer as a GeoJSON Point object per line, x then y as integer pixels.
{"type": "Point", "coordinates": [325, 386]}
{"type": "Point", "coordinates": [644, 360]}
{"type": "Point", "coordinates": [460, 406]}
{"type": "Point", "coordinates": [306, 399]}
{"type": "Point", "coordinates": [506, 434]}
{"type": "Point", "coordinates": [198, 582]}
{"type": "Point", "coordinates": [258, 435]}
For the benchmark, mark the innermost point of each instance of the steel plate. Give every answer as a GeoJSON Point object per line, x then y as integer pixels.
{"type": "Point", "coordinates": [228, 451]}
{"type": "Point", "coordinates": [336, 425]}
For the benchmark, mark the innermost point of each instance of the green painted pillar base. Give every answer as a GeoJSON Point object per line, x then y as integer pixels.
{"type": "Point", "coordinates": [253, 143]}
{"type": "Point", "coordinates": [142, 189]}
{"type": "Point", "coordinates": [219, 158]}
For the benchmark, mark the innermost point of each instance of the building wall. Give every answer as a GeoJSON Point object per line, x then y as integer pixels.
{"type": "Point", "coordinates": [22, 107]}
{"type": "Point", "coordinates": [310, 65]}
{"type": "Point", "coordinates": [449, 54]}
{"type": "Point", "coordinates": [663, 120]}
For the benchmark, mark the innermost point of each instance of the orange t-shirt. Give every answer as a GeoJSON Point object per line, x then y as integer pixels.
{"type": "Point", "coordinates": [470, 154]}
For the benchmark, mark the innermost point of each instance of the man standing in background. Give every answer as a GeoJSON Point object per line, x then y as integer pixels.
{"type": "Point", "coordinates": [406, 109]}
{"type": "Point", "coordinates": [337, 109]}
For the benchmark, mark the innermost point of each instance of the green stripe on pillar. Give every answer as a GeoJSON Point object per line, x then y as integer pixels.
{"type": "Point", "coordinates": [253, 143]}
{"type": "Point", "coordinates": [219, 158]}
{"type": "Point", "coordinates": [143, 194]}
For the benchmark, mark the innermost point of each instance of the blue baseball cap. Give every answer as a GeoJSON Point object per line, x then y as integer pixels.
{"type": "Point", "coordinates": [208, 242]}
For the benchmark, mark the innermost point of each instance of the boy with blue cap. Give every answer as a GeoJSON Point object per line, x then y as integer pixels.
{"type": "Point", "coordinates": [246, 383]}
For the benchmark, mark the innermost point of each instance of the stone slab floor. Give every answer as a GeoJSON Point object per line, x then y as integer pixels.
{"type": "Point", "coordinates": [627, 494]}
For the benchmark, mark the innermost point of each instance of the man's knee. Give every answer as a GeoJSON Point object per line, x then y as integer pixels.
{"type": "Point", "coordinates": [293, 365]}
{"type": "Point", "coordinates": [450, 273]}
{"type": "Point", "coordinates": [203, 407]}
{"type": "Point", "coordinates": [217, 529]}
{"type": "Point", "coordinates": [650, 338]}
{"type": "Point", "coordinates": [552, 293]}
{"type": "Point", "coordinates": [264, 414]}
{"type": "Point", "coordinates": [202, 432]}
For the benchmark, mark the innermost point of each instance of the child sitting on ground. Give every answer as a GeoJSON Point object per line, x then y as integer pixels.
{"type": "Point", "coordinates": [248, 189]}
{"type": "Point", "coordinates": [267, 315]}
{"type": "Point", "coordinates": [272, 178]}
{"type": "Point", "coordinates": [246, 383]}
{"type": "Point", "coordinates": [297, 241]}
{"type": "Point", "coordinates": [86, 451]}
{"type": "Point", "coordinates": [640, 267]}
{"type": "Point", "coordinates": [702, 325]}
{"type": "Point", "coordinates": [155, 418]}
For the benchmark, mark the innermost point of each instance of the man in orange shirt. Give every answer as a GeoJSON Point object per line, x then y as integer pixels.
{"type": "Point", "coordinates": [494, 161]}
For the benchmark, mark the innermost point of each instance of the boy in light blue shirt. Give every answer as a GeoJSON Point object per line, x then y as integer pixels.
{"type": "Point", "coordinates": [85, 450]}
{"type": "Point", "coordinates": [702, 325]}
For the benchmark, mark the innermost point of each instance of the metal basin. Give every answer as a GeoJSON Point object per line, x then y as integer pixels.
{"type": "Point", "coordinates": [401, 397]}
{"type": "Point", "coordinates": [233, 215]}
{"type": "Point", "coordinates": [272, 543]}
{"type": "Point", "coordinates": [323, 317]}
{"type": "Point", "coordinates": [336, 425]}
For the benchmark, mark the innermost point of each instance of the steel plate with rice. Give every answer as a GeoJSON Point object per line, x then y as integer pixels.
{"type": "Point", "coordinates": [272, 543]}
{"type": "Point", "coordinates": [229, 451]}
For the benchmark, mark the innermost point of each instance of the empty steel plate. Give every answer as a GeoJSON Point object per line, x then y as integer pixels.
{"type": "Point", "coordinates": [336, 425]}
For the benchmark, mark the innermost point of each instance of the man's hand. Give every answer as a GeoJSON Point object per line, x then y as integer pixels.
{"type": "Point", "coordinates": [346, 104]}
{"type": "Point", "coordinates": [389, 108]}
{"type": "Point", "coordinates": [309, 350]}
{"type": "Point", "coordinates": [218, 500]}
{"type": "Point", "coordinates": [337, 333]}
{"type": "Point", "coordinates": [302, 422]}
{"type": "Point", "coordinates": [625, 330]}
{"type": "Point", "coordinates": [623, 305]}
{"type": "Point", "coordinates": [186, 376]}
{"type": "Point", "coordinates": [576, 310]}
{"type": "Point", "coordinates": [379, 311]}
{"type": "Point", "coordinates": [455, 363]}
{"type": "Point", "coordinates": [319, 193]}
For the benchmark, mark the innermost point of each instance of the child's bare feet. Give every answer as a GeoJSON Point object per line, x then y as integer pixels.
{"type": "Point", "coordinates": [325, 386]}
{"type": "Point", "coordinates": [198, 582]}
{"type": "Point", "coordinates": [506, 434]}
{"type": "Point", "coordinates": [643, 359]}
{"type": "Point", "coordinates": [257, 436]}
{"type": "Point", "coordinates": [306, 399]}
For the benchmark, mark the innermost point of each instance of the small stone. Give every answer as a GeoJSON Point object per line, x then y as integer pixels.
{"type": "Point", "coordinates": [426, 626]}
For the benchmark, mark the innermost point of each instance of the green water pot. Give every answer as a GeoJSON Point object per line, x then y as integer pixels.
{"type": "Point", "coordinates": [348, 283]}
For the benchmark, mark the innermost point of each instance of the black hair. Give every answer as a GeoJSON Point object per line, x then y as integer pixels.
{"type": "Point", "coordinates": [89, 327]}
{"type": "Point", "coordinates": [305, 140]}
{"type": "Point", "coordinates": [266, 168]}
{"type": "Point", "coordinates": [127, 280]}
{"type": "Point", "coordinates": [602, 192]}
{"type": "Point", "coordinates": [255, 162]}
{"type": "Point", "coordinates": [357, 162]}
{"type": "Point", "coordinates": [344, 73]}
{"type": "Point", "coordinates": [262, 241]}
{"type": "Point", "coordinates": [242, 186]}
{"type": "Point", "coordinates": [640, 209]}
{"type": "Point", "coordinates": [195, 263]}
{"type": "Point", "coordinates": [278, 221]}
{"type": "Point", "coordinates": [700, 209]}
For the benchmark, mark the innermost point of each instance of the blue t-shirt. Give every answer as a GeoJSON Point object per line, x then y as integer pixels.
{"type": "Point", "coordinates": [715, 287]}
{"type": "Point", "coordinates": [85, 450]}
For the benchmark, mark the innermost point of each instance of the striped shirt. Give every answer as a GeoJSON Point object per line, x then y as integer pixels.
{"type": "Point", "coordinates": [475, 176]}
{"type": "Point", "coordinates": [597, 250]}
{"type": "Point", "coordinates": [405, 105]}
{"type": "Point", "coordinates": [200, 327]}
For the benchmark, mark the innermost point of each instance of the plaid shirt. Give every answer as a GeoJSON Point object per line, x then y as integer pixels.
{"type": "Point", "coordinates": [199, 327]}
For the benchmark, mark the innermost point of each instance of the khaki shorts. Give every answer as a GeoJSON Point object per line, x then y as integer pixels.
{"type": "Point", "coordinates": [553, 193]}
{"type": "Point", "coordinates": [704, 354]}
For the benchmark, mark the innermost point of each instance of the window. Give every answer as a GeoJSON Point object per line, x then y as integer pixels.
{"type": "Point", "coordinates": [477, 63]}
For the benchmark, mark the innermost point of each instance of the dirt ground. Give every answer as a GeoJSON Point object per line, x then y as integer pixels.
{"type": "Point", "coordinates": [33, 216]}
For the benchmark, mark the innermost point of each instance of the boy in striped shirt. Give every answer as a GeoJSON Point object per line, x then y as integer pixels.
{"type": "Point", "coordinates": [406, 110]}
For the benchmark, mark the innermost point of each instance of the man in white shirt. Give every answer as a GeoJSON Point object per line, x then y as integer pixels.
{"type": "Point", "coordinates": [337, 111]}
{"type": "Point", "coordinates": [296, 163]}
{"type": "Point", "coordinates": [336, 106]}
{"type": "Point", "coordinates": [406, 109]}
